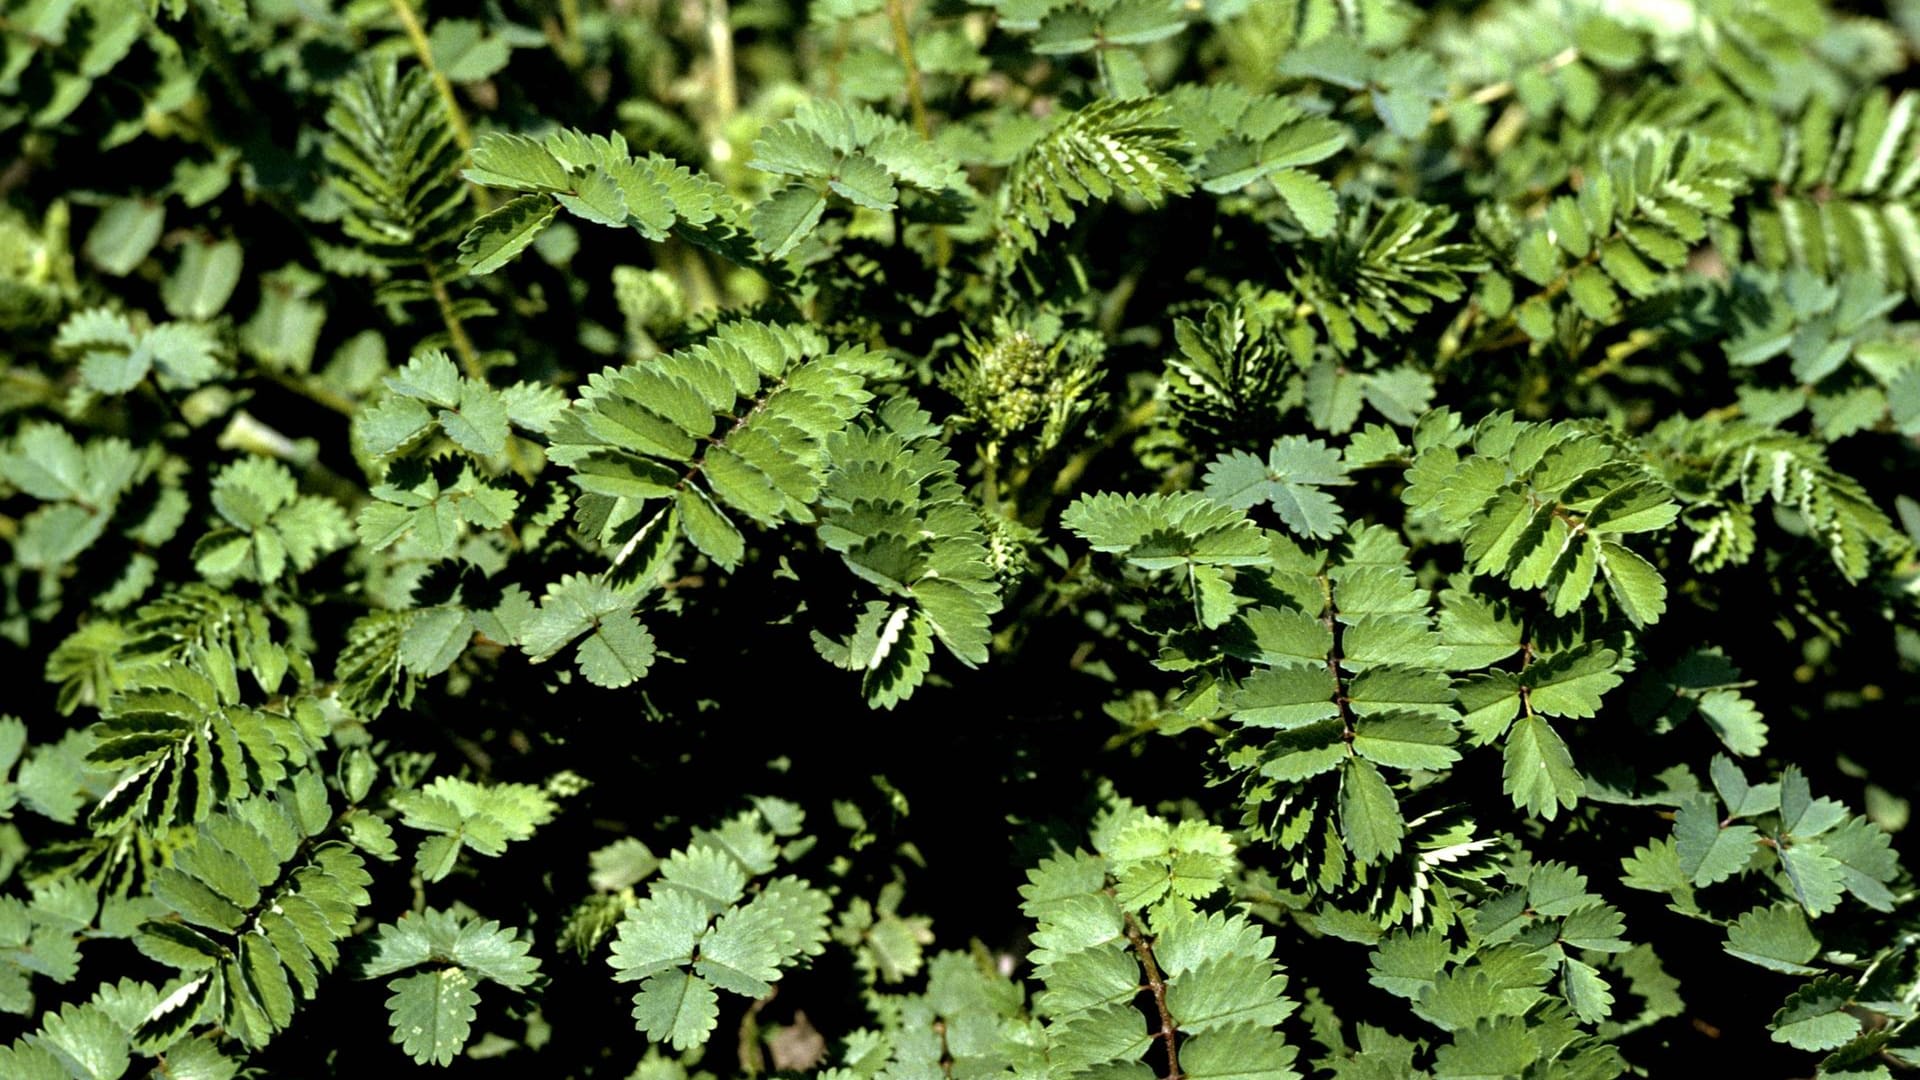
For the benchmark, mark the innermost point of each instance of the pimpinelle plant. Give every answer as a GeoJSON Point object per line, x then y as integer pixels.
{"type": "Point", "coordinates": [872, 540]}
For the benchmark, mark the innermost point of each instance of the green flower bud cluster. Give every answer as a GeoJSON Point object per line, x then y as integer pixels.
{"type": "Point", "coordinates": [36, 269]}
{"type": "Point", "coordinates": [1007, 542]}
{"type": "Point", "coordinates": [651, 302]}
{"type": "Point", "coordinates": [1017, 381]}
{"type": "Point", "coordinates": [1007, 388]}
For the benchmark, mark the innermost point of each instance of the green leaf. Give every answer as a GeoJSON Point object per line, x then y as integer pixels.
{"type": "Point", "coordinates": [1593, 292]}
{"type": "Point", "coordinates": [505, 232]}
{"type": "Point", "coordinates": [390, 424]}
{"type": "Point", "coordinates": [742, 953]}
{"type": "Point", "coordinates": [1407, 963]}
{"type": "Point", "coordinates": [431, 376]}
{"type": "Point", "coordinates": [1709, 853]}
{"type": "Point", "coordinates": [1800, 813]}
{"type": "Point", "coordinates": [1238, 1052]}
{"type": "Point", "coordinates": [484, 948]}
{"type": "Point", "coordinates": [1735, 720]}
{"type": "Point", "coordinates": [1742, 799]}
{"type": "Point", "coordinates": [479, 424]}
{"type": "Point", "coordinates": [1572, 683]}
{"type": "Point", "coordinates": [482, 818]}
{"type": "Point", "coordinates": [1115, 1037]}
{"type": "Point", "coordinates": [1473, 632]}
{"type": "Point", "coordinates": [1370, 820]}
{"type": "Point", "coordinates": [1111, 147]}
{"type": "Point", "coordinates": [1539, 772]}
{"type": "Point", "coordinates": [432, 1014]}
{"type": "Point", "coordinates": [1309, 199]}
{"type": "Point", "coordinates": [87, 1040]}
{"type": "Point", "coordinates": [1290, 480]}
{"type": "Point", "coordinates": [677, 1008]}
{"type": "Point", "coordinates": [786, 219]}
{"type": "Point", "coordinates": [518, 163]}
{"type": "Point", "coordinates": [1492, 1049]}
{"type": "Point", "coordinates": [617, 649]}
{"type": "Point", "coordinates": [1586, 991]}
{"type": "Point", "coordinates": [1229, 990]}
{"type": "Point", "coordinates": [1405, 741]}
{"type": "Point", "coordinates": [1775, 938]}
{"type": "Point", "coordinates": [658, 933]}
{"type": "Point", "coordinates": [124, 234]}
{"type": "Point", "coordinates": [710, 530]}
{"type": "Point", "coordinates": [1596, 928]}
{"type": "Point", "coordinates": [597, 198]}
{"type": "Point", "coordinates": [204, 280]}
{"type": "Point", "coordinates": [1816, 880]}
{"type": "Point", "coordinates": [1389, 688]}
{"type": "Point", "coordinates": [1814, 1017]}
{"type": "Point", "coordinates": [1285, 698]}
{"type": "Point", "coordinates": [1656, 868]}
{"type": "Point", "coordinates": [463, 53]}
{"type": "Point", "coordinates": [617, 653]}
{"type": "Point", "coordinates": [1460, 998]}
{"type": "Point", "coordinates": [1638, 587]}
{"type": "Point", "coordinates": [1488, 706]}
{"type": "Point", "coordinates": [1864, 852]}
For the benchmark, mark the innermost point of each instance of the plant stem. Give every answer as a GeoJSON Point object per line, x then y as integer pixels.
{"type": "Point", "coordinates": [313, 392]}
{"type": "Point", "coordinates": [726, 91]}
{"type": "Point", "coordinates": [573, 53]}
{"type": "Point", "coordinates": [1134, 420]}
{"type": "Point", "coordinates": [903, 45]}
{"type": "Point", "coordinates": [917, 106]}
{"type": "Point", "coordinates": [1617, 354]}
{"type": "Point", "coordinates": [423, 50]}
{"type": "Point", "coordinates": [1493, 92]}
{"type": "Point", "coordinates": [247, 433]}
{"type": "Point", "coordinates": [1169, 1031]}
{"type": "Point", "coordinates": [990, 478]}
{"type": "Point", "coordinates": [462, 344]}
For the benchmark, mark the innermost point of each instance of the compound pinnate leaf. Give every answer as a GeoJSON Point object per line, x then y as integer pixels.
{"type": "Point", "coordinates": [1290, 480]}
{"type": "Point", "coordinates": [658, 933]}
{"type": "Point", "coordinates": [1710, 853]}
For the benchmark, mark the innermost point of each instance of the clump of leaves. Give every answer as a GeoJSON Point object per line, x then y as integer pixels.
{"type": "Point", "coordinates": [1452, 459]}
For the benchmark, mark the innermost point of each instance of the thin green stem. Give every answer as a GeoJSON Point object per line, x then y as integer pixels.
{"type": "Point", "coordinates": [319, 395]}
{"type": "Point", "coordinates": [917, 106]}
{"type": "Point", "coordinates": [423, 51]}
{"type": "Point", "coordinates": [725, 89]}
{"type": "Point", "coordinates": [1135, 419]}
{"type": "Point", "coordinates": [456, 330]}
{"type": "Point", "coordinates": [990, 478]}
{"type": "Point", "coordinates": [1493, 92]}
{"type": "Point", "coordinates": [903, 45]}
{"type": "Point", "coordinates": [572, 53]}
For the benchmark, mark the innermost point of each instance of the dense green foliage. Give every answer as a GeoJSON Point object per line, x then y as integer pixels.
{"type": "Point", "coordinates": [905, 540]}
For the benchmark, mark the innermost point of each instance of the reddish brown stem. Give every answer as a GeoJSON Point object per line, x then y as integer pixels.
{"type": "Point", "coordinates": [1169, 1032]}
